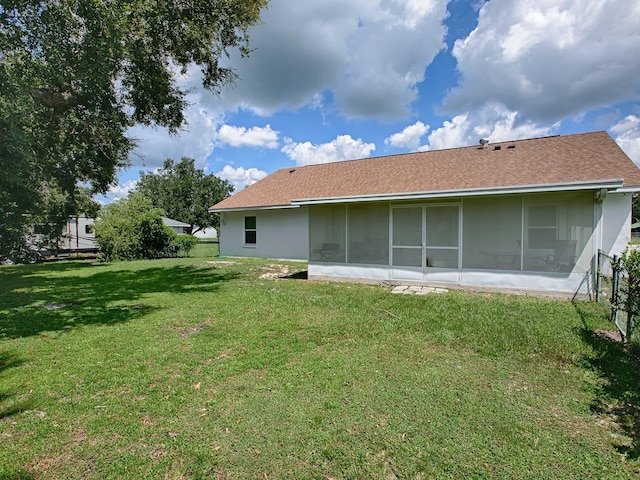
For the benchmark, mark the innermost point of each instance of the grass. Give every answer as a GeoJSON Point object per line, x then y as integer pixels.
{"type": "Point", "coordinates": [199, 368]}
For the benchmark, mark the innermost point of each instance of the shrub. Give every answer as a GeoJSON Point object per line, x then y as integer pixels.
{"type": "Point", "coordinates": [131, 229]}
{"type": "Point", "coordinates": [186, 243]}
{"type": "Point", "coordinates": [631, 263]}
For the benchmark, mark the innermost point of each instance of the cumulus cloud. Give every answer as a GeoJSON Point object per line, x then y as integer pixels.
{"type": "Point", "coordinates": [493, 122]}
{"type": "Point", "coordinates": [155, 144]}
{"type": "Point", "coordinates": [409, 137]}
{"type": "Point", "coordinates": [117, 192]}
{"type": "Point", "coordinates": [367, 55]}
{"type": "Point", "coordinates": [549, 59]}
{"type": "Point", "coordinates": [240, 177]}
{"type": "Point", "coordinates": [248, 137]}
{"type": "Point", "coordinates": [344, 147]}
{"type": "Point", "coordinates": [627, 135]}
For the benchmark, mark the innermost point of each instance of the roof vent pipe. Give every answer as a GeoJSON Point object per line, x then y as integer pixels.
{"type": "Point", "coordinates": [484, 142]}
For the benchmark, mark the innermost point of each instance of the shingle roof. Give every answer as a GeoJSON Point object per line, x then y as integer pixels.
{"type": "Point", "coordinates": [578, 158]}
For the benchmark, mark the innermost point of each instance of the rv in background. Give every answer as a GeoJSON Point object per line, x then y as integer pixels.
{"type": "Point", "coordinates": [77, 236]}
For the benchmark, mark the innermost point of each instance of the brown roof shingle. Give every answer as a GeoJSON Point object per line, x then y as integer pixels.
{"type": "Point", "coordinates": [585, 157]}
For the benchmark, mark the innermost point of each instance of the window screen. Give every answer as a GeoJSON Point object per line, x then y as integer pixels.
{"type": "Point", "coordinates": [492, 231]}
{"type": "Point", "coordinates": [327, 234]}
{"type": "Point", "coordinates": [368, 234]}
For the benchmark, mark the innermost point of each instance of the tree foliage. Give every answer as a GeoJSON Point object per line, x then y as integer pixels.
{"type": "Point", "coordinates": [185, 193]}
{"type": "Point", "coordinates": [75, 75]}
{"type": "Point", "coordinates": [132, 228]}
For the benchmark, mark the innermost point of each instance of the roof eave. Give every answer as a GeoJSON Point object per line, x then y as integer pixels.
{"type": "Point", "coordinates": [244, 209]}
{"type": "Point", "coordinates": [609, 184]}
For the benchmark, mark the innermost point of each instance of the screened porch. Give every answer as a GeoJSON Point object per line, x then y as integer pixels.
{"type": "Point", "coordinates": [439, 239]}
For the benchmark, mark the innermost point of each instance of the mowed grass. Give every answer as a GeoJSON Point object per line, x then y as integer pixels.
{"type": "Point", "coordinates": [199, 368]}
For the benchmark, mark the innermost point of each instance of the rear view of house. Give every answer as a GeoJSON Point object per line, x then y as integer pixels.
{"type": "Point", "coordinates": [526, 214]}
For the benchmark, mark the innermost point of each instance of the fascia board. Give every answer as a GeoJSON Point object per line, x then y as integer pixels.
{"type": "Point", "coordinates": [246, 209]}
{"type": "Point", "coordinates": [614, 184]}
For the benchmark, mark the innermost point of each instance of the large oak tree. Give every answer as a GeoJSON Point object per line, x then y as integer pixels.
{"type": "Point", "coordinates": [75, 75]}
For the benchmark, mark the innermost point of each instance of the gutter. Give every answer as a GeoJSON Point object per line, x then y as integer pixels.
{"type": "Point", "coordinates": [612, 184]}
{"type": "Point", "coordinates": [244, 209]}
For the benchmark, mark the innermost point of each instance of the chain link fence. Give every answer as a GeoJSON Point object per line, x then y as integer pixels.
{"type": "Point", "coordinates": [613, 290]}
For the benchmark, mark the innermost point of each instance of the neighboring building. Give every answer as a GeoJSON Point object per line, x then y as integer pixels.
{"type": "Point", "coordinates": [526, 214]}
{"type": "Point", "coordinates": [208, 233]}
{"type": "Point", "coordinates": [177, 226]}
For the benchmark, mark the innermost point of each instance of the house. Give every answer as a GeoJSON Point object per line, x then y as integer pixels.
{"type": "Point", "coordinates": [177, 226]}
{"type": "Point", "coordinates": [525, 214]}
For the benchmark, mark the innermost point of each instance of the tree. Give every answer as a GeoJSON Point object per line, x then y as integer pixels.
{"type": "Point", "coordinates": [75, 75]}
{"type": "Point", "coordinates": [132, 228]}
{"type": "Point", "coordinates": [185, 193]}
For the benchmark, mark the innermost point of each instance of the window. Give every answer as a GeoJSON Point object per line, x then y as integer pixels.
{"type": "Point", "coordinates": [250, 230]}
{"type": "Point", "coordinates": [88, 229]}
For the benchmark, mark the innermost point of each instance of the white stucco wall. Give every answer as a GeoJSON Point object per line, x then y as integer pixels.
{"type": "Point", "coordinates": [282, 234]}
{"type": "Point", "coordinates": [616, 222]}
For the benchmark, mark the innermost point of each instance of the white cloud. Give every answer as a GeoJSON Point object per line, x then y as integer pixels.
{"type": "Point", "coordinates": [155, 144]}
{"type": "Point", "coordinates": [252, 137]}
{"type": "Point", "coordinates": [369, 54]}
{"type": "Point", "coordinates": [409, 137]}
{"type": "Point", "coordinates": [627, 135]}
{"type": "Point", "coordinates": [493, 122]}
{"type": "Point", "coordinates": [117, 192]}
{"type": "Point", "coordinates": [342, 148]}
{"type": "Point", "coordinates": [549, 59]}
{"type": "Point", "coordinates": [241, 177]}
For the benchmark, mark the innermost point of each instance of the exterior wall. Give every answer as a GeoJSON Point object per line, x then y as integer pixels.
{"type": "Point", "coordinates": [280, 234]}
{"type": "Point", "coordinates": [616, 222]}
{"type": "Point", "coordinates": [549, 282]}
{"type": "Point", "coordinates": [285, 234]}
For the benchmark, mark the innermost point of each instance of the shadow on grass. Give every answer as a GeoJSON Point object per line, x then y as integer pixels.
{"type": "Point", "coordinates": [618, 366]}
{"type": "Point", "coordinates": [7, 411]}
{"type": "Point", "coordinates": [36, 299]}
{"type": "Point", "coordinates": [303, 275]}
{"type": "Point", "coordinates": [7, 362]}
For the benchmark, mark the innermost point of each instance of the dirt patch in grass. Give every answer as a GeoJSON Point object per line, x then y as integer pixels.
{"type": "Point", "coordinates": [193, 330]}
{"type": "Point", "coordinates": [222, 263]}
{"type": "Point", "coordinates": [275, 271]}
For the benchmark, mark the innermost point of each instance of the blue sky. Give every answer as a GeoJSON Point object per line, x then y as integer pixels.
{"type": "Point", "coordinates": [333, 80]}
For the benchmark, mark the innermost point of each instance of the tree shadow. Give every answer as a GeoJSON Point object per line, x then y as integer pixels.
{"type": "Point", "coordinates": [52, 298]}
{"type": "Point", "coordinates": [618, 365]}
{"type": "Point", "coordinates": [7, 411]}
{"type": "Point", "coordinates": [7, 362]}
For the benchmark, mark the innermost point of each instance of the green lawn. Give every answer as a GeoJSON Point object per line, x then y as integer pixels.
{"type": "Point", "coordinates": [198, 368]}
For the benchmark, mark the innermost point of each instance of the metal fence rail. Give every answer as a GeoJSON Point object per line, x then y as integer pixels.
{"type": "Point", "coordinates": [612, 290]}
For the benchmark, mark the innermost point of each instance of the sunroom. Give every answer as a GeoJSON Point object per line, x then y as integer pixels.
{"type": "Point", "coordinates": [535, 241]}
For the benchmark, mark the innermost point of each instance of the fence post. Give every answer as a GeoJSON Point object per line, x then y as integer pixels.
{"type": "Point", "coordinates": [615, 281]}
{"type": "Point", "coordinates": [597, 275]}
